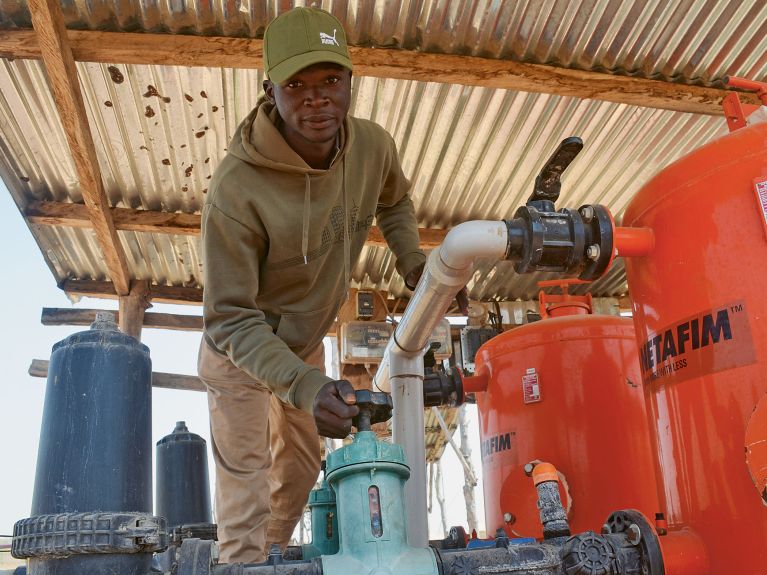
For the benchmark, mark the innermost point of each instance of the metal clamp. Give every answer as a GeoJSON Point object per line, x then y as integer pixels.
{"type": "Point", "coordinates": [68, 534]}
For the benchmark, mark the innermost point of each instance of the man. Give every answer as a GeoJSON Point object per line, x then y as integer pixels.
{"type": "Point", "coordinates": [286, 217]}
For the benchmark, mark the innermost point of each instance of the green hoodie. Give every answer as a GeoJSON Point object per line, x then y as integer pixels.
{"type": "Point", "coordinates": [277, 259]}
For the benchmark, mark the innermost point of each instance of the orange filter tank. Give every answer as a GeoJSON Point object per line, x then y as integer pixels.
{"type": "Point", "coordinates": [700, 310]}
{"type": "Point", "coordinates": [566, 390]}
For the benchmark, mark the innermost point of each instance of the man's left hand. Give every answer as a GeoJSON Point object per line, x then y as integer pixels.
{"type": "Point", "coordinates": [461, 298]}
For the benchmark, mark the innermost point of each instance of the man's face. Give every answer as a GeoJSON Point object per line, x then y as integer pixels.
{"type": "Point", "coordinates": [312, 103]}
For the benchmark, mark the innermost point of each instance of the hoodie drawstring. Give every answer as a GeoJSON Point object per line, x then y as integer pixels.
{"type": "Point", "coordinates": [305, 231]}
{"type": "Point", "coordinates": [347, 233]}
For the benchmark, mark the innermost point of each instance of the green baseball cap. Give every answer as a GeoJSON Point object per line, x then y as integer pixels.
{"type": "Point", "coordinates": [302, 37]}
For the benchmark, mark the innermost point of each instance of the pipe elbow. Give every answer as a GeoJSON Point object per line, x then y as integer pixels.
{"type": "Point", "coordinates": [470, 240]}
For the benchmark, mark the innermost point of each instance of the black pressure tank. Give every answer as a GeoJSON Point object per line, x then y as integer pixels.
{"type": "Point", "coordinates": [183, 490]}
{"type": "Point", "coordinates": [92, 503]}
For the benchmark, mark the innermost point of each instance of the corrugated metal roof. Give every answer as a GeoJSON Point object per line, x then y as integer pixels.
{"type": "Point", "coordinates": [688, 40]}
{"type": "Point", "coordinates": [472, 153]}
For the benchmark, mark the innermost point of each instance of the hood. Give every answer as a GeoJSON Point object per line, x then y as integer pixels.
{"type": "Point", "coordinates": [258, 141]}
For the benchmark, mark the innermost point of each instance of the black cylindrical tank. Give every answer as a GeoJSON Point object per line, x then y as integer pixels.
{"type": "Point", "coordinates": [96, 436]}
{"type": "Point", "coordinates": [95, 441]}
{"type": "Point", "coordinates": [183, 490]}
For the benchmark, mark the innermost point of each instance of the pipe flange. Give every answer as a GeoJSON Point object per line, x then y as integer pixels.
{"type": "Point", "coordinates": [532, 247]}
{"type": "Point", "coordinates": [601, 240]}
{"type": "Point", "coordinates": [66, 534]}
{"type": "Point", "coordinates": [628, 522]}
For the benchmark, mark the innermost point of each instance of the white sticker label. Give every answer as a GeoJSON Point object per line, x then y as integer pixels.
{"type": "Point", "coordinates": [761, 193]}
{"type": "Point", "coordinates": [531, 386]}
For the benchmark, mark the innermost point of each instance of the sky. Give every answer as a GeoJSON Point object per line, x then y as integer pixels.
{"type": "Point", "coordinates": [27, 286]}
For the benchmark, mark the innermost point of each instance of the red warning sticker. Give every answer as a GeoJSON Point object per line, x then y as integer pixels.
{"type": "Point", "coordinates": [531, 387]}
{"type": "Point", "coordinates": [761, 195]}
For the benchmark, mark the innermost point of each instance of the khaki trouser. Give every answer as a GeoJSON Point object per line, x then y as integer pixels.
{"type": "Point", "coordinates": [267, 456]}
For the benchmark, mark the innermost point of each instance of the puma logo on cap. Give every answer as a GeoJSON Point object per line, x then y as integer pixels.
{"type": "Point", "coordinates": [328, 39]}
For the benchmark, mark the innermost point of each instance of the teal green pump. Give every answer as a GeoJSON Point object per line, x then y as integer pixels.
{"type": "Point", "coordinates": [322, 507]}
{"type": "Point", "coordinates": [368, 478]}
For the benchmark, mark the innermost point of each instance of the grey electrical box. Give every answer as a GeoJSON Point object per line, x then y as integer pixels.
{"type": "Point", "coordinates": [364, 341]}
{"type": "Point", "coordinates": [472, 339]}
{"type": "Point", "coordinates": [365, 307]}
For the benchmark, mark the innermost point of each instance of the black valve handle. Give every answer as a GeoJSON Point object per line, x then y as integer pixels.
{"type": "Point", "coordinates": [374, 406]}
{"type": "Point", "coordinates": [547, 183]}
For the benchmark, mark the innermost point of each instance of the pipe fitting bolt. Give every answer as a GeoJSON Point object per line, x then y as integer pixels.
{"type": "Point", "coordinates": [587, 213]}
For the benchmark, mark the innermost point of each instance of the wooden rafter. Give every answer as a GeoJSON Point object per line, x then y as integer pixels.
{"type": "Point", "coordinates": [85, 317]}
{"type": "Point", "coordinates": [76, 215]}
{"type": "Point", "coordinates": [54, 48]}
{"type": "Point", "coordinates": [224, 52]}
{"type": "Point", "coordinates": [163, 294]}
{"type": "Point", "coordinates": [157, 294]}
{"type": "Point", "coordinates": [39, 368]}
{"type": "Point", "coordinates": [152, 320]}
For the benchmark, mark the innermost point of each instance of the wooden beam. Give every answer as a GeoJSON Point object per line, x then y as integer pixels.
{"type": "Point", "coordinates": [76, 215]}
{"type": "Point", "coordinates": [132, 308]}
{"type": "Point", "coordinates": [174, 295]}
{"type": "Point", "coordinates": [625, 304]}
{"type": "Point", "coordinates": [106, 290]}
{"type": "Point", "coordinates": [222, 52]}
{"type": "Point", "coordinates": [48, 22]}
{"type": "Point", "coordinates": [429, 238]}
{"type": "Point", "coordinates": [39, 368]}
{"type": "Point", "coordinates": [153, 320]}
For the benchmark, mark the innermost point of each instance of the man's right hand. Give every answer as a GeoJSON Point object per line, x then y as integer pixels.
{"type": "Point", "coordinates": [334, 408]}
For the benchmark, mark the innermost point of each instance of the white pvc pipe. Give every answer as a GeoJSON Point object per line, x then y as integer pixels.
{"type": "Point", "coordinates": [407, 397]}
{"type": "Point", "coordinates": [471, 240]}
{"type": "Point", "coordinates": [447, 271]}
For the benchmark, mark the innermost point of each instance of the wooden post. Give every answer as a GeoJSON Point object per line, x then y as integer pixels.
{"type": "Point", "coordinates": [132, 307]}
{"type": "Point", "coordinates": [302, 529]}
{"type": "Point", "coordinates": [430, 500]}
{"type": "Point", "coordinates": [469, 478]}
{"type": "Point", "coordinates": [440, 498]}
